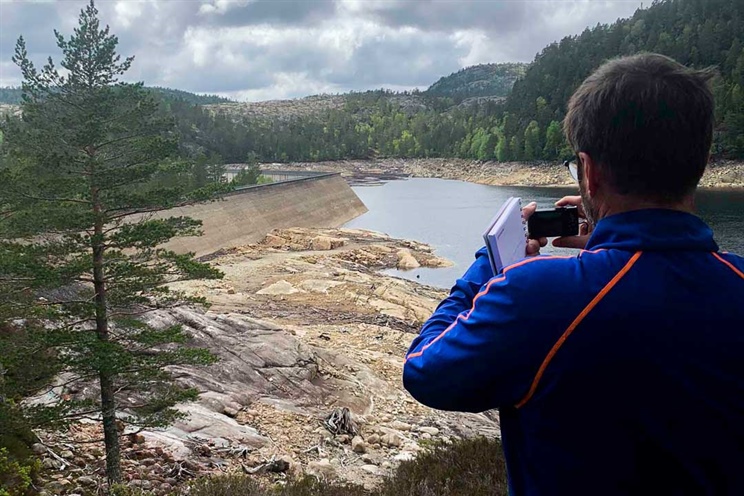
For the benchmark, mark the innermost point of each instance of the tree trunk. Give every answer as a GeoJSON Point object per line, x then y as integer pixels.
{"type": "Point", "coordinates": [106, 377]}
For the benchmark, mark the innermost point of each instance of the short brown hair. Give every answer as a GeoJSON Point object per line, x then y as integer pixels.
{"type": "Point", "coordinates": [647, 122]}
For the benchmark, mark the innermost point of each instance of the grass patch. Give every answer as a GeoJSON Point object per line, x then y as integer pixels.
{"type": "Point", "coordinates": [473, 467]}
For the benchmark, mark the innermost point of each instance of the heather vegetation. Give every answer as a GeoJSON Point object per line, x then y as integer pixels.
{"type": "Point", "coordinates": [473, 467]}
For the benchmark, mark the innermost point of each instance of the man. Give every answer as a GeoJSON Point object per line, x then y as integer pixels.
{"type": "Point", "coordinates": [619, 370]}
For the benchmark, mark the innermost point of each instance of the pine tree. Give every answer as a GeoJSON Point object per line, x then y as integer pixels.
{"type": "Point", "coordinates": [502, 149]}
{"type": "Point", "coordinates": [78, 172]}
{"type": "Point", "coordinates": [553, 141]}
{"type": "Point", "coordinates": [532, 141]}
{"type": "Point", "coordinates": [516, 148]}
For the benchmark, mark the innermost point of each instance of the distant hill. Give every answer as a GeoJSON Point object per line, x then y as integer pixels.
{"type": "Point", "coordinates": [12, 96]}
{"type": "Point", "coordinates": [485, 80]}
{"type": "Point", "coordinates": [354, 103]}
{"type": "Point", "coordinates": [193, 98]}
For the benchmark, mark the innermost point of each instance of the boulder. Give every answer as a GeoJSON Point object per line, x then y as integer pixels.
{"type": "Point", "coordinates": [274, 241]}
{"type": "Point", "coordinates": [391, 440]}
{"type": "Point", "coordinates": [325, 243]}
{"type": "Point", "coordinates": [358, 445]}
{"type": "Point", "coordinates": [87, 481]}
{"type": "Point", "coordinates": [322, 468]}
{"type": "Point", "coordinates": [371, 469]}
{"type": "Point", "coordinates": [406, 261]}
{"type": "Point", "coordinates": [279, 288]}
{"type": "Point", "coordinates": [400, 426]}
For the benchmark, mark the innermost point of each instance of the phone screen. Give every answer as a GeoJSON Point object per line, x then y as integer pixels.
{"type": "Point", "coordinates": [551, 223]}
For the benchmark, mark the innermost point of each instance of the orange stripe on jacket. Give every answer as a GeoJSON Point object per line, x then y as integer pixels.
{"type": "Point", "coordinates": [460, 317]}
{"type": "Point", "coordinates": [575, 324]}
{"type": "Point", "coordinates": [729, 264]}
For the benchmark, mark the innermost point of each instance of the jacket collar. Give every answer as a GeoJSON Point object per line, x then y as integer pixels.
{"type": "Point", "coordinates": [653, 230]}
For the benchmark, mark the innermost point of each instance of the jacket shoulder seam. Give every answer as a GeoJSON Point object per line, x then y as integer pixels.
{"type": "Point", "coordinates": [593, 303]}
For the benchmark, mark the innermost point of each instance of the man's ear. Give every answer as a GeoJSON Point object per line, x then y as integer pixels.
{"type": "Point", "coordinates": [590, 174]}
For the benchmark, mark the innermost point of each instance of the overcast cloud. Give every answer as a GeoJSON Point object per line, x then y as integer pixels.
{"type": "Point", "coordinates": [270, 49]}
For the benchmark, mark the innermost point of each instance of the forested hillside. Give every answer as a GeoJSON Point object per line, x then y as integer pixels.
{"type": "Point", "coordinates": [478, 81]}
{"type": "Point", "coordinates": [527, 126]}
{"type": "Point", "coordinates": [10, 95]}
{"type": "Point", "coordinates": [698, 33]}
{"type": "Point", "coordinates": [13, 96]}
{"type": "Point", "coordinates": [451, 119]}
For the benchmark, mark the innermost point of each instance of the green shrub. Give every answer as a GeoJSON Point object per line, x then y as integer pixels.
{"type": "Point", "coordinates": [310, 486]}
{"type": "Point", "coordinates": [123, 490]}
{"type": "Point", "coordinates": [16, 477]}
{"type": "Point", "coordinates": [473, 467]}
{"type": "Point", "coordinates": [226, 485]}
{"type": "Point", "coordinates": [242, 485]}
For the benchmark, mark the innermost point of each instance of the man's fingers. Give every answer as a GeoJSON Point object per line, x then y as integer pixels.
{"type": "Point", "coordinates": [571, 201]}
{"type": "Point", "coordinates": [534, 245]}
{"type": "Point", "coordinates": [533, 248]}
{"type": "Point", "coordinates": [528, 210]}
{"type": "Point", "coordinates": [571, 242]}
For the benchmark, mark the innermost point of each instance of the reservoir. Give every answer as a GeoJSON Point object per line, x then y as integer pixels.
{"type": "Point", "coordinates": [452, 215]}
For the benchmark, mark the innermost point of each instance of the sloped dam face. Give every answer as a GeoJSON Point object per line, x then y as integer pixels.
{"type": "Point", "coordinates": [247, 215]}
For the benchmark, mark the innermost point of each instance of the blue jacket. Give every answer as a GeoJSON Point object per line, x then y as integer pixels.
{"type": "Point", "coordinates": [617, 371]}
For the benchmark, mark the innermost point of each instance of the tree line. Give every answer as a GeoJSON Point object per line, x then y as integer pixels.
{"type": "Point", "coordinates": [526, 126]}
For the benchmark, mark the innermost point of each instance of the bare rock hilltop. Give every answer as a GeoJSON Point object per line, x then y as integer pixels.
{"type": "Point", "coordinates": [311, 339]}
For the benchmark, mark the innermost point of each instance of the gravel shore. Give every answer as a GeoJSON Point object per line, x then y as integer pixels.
{"type": "Point", "coordinates": [722, 174]}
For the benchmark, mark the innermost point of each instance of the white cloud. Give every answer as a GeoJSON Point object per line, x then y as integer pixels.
{"type": "Point", "coordinates": [127, 11]}
{"type": "Point", "coordinates": [268, 49]}
{"type": "Point", "coordinates": [221, 6]}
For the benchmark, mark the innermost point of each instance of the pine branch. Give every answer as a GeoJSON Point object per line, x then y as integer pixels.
{"type": "Point", "coordinates": [117, 140]}
{"type": "Point", "coordinates": [61, 200]}
{"type": "Point", "coordinates": [147, 210]}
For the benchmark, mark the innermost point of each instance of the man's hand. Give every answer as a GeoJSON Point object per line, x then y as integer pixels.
{"type": "Point", "coordinates": [533, 245]}
{"type": "Point", "coordinates": [574, 241]}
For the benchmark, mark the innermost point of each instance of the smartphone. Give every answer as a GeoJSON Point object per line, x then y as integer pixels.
{"type": "Point", "coordinates": [551, 223]}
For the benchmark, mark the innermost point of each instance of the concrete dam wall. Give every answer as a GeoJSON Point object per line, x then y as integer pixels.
{"type": "Point", "coordinates": [247, 215]}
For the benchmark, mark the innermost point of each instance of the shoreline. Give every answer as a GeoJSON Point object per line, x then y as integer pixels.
{"type": "Point", "coordinates": [723, 175]}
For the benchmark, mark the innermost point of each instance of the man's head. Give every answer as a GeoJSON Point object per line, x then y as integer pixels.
{"type": "Point", "coordinates": [642, 127]}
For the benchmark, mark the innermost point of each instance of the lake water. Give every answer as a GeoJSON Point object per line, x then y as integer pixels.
{"type": "Point", "coordinates": [451, 217]}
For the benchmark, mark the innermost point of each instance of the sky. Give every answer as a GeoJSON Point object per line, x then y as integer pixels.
{"type": "Point", "coordinates": [254, 50]}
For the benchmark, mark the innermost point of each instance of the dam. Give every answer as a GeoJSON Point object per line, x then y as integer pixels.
{"type": "Point", "coordinates": [246, 215]}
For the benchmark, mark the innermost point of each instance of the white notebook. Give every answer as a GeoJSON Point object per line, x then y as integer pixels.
{"type": "Point", "coordinates": [506, 236]}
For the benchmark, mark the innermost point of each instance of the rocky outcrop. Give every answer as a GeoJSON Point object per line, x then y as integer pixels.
{"type": "Point", "coordinates": [300, 334]}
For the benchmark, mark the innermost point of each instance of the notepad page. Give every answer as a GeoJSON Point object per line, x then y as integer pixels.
{"type": "Point", "coordinates": [506, 239]}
